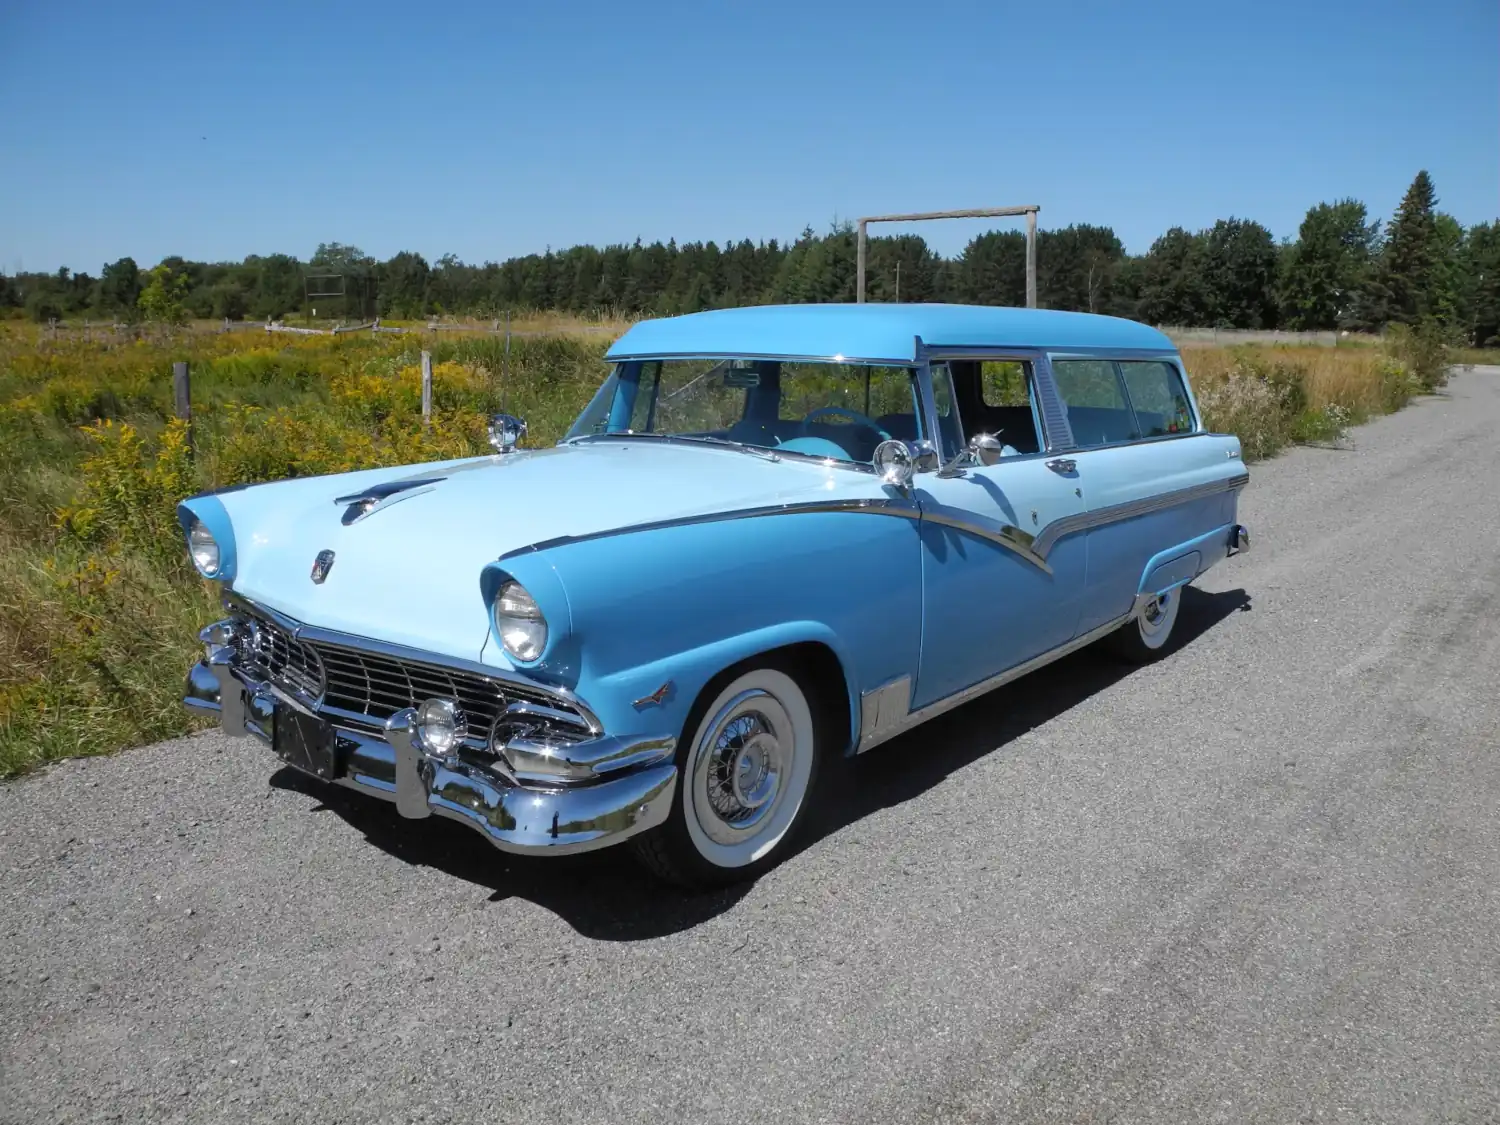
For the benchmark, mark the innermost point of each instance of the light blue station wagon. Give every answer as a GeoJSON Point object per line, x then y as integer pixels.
{"type": "Point", "coordinates": [775, 535]}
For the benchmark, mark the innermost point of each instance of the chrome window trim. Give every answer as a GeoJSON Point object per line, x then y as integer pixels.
{"type": "Point", "coordinates": [317, 635]}
{"type": "Point", "coordinates": [861, 361]}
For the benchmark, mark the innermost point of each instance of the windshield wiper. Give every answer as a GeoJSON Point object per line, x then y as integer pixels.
{"type": "Point", "coordinates": [697, 439]}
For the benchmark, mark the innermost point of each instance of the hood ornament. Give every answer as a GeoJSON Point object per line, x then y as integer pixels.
{"type": "Point", "coordinates": [363, 503]}
{"type": "Point", "coordinates": [321, 566]}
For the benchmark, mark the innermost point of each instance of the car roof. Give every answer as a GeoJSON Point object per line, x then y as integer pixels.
{"type": "Point", "coordinates": [879, 332]}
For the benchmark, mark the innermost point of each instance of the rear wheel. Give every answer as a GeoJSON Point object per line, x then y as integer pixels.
{"type": "Point", "coordinates": [1147, 635]}
{"type": "Point", "coordinates": [746, 771]}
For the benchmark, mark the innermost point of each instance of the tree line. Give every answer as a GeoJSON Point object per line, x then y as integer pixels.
{"type": "Point", "coordinates": [1342, 271]}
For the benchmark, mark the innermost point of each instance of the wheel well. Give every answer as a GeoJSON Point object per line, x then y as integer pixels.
{"type": "Point", "coordinates": [817, 669]}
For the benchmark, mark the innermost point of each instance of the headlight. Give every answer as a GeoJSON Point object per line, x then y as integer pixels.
{"type": "Point", "coordinates": [522, 628]}
{"type": "Point", "coordinates": [439, 727]}
{"type": "Point", "coordinates": [203, 548]}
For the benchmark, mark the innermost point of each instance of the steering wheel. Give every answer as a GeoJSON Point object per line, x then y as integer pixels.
{"type": "Point", "coordinates": [847, 413]}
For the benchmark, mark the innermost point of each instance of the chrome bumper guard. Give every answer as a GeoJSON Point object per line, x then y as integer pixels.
{"type": "Point", "coordinates": [515, 818]}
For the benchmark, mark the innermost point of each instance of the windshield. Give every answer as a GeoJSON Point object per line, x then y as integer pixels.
{"type": "Point", "coordinates": [811, 409]}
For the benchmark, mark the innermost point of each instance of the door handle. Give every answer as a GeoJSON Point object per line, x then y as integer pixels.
{"type": "Point", "coordinates": [1062, 465]}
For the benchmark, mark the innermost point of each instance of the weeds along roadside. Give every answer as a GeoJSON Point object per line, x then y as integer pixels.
{"type": "Point", "coordinates": [99, 609]}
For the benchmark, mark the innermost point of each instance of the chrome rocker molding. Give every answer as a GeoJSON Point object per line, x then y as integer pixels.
{"type": "Point", "coordinates": [884, 729]}
{"type": "Point", "coordinates": [637, 776]}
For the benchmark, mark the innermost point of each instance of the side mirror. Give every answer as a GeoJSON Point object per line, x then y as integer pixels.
{"type": "Point", "coordinates": [505, 431]}
{"type": "Point", "coordinates": [894, 463]}
{"type": "Point", "coordinates": [985, 448]}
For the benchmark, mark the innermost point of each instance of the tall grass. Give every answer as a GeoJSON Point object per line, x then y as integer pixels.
{"type": "Point", "coordinates": [98, 607]}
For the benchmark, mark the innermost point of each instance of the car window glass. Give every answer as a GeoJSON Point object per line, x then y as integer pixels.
{"type": "Point", "coordinates": [950, 433]}
{"type": "Point", "coordinates": [1002, 382]}
{"type": "Point", "coordinates": [1158, 396]}
{"type": "Point", "coordinates": [1097, 410]}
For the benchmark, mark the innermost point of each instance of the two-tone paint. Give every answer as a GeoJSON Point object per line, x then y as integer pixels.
{"type": "Point", "coordinates": [659, 565]}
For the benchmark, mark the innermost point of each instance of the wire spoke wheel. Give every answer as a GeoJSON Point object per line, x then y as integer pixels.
{"type": "Point", "coordinates": [748, 771]}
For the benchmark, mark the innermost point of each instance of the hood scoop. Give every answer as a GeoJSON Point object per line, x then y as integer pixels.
{"type": "Point", "coordinates": [361, 504]}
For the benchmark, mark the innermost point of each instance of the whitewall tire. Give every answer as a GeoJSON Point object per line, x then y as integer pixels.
{"type": "Point", "coordinates": [746, 771]}
{"type": "Point", "coordinates": [1147, 635]}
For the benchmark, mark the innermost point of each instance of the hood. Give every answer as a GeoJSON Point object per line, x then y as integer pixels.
{"type": "Point", "coordinates": [409, 570]}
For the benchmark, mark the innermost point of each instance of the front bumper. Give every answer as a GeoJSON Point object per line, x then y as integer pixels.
{"type": "Point", "coordinates": [514, 817]}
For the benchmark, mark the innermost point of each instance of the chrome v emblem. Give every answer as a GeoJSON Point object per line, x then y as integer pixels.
{"type": "Point", "coordinates": [321, 566]}
{"type": "Point", "coordinates": [363, 503]}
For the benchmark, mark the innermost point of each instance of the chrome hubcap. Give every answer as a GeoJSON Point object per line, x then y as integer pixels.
{"type": "Point", "coordinates": [1154, 615]}
{"type": "Point", "coordinates": [741, 767]}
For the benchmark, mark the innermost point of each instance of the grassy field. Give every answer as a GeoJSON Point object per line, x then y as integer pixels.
{"type": "Point", "coordinates": [99, 608]}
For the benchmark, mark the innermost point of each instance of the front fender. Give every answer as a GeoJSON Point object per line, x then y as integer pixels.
{"type": "Point", "coordinates": [674, 606]}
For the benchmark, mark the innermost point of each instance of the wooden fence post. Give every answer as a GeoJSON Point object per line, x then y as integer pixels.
{"type": "Point", "coordinates": [182, 398]}
{"type": "Point", "coordinates": [427, 390]}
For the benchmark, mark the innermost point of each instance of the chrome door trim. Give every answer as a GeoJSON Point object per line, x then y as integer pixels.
{"type": "Point", "coordinates": [992, 531]}
{"type": "Point", "coordinates": [874, 506]}
{"type": "Point", "coordinates": [1099, 517]}
{"type": "Point", "coordinates": [885, 732]}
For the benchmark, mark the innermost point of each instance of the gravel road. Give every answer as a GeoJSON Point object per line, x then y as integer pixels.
{"type": "Point", "coordinates": [1258, 881]}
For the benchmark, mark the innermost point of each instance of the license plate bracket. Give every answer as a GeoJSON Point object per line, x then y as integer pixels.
{"type": "Point", "coordinates": [304, 741]}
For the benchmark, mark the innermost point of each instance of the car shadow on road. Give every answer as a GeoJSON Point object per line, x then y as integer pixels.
{"type": "Point", "coordinates": [606, 896]}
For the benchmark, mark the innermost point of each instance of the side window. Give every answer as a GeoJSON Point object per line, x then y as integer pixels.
{"type": "Point", "coordinates": [1160, 400]}
{"type": "Point", "coordinates": [1097, 409]}
{"type": "Point", "coordinates": [1002, 382]}
{"type": "Point", "coordinates": [1005, 392]}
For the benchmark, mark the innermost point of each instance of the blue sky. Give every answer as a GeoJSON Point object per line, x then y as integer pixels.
{"type": "Point", "coordinates": [214, 130]}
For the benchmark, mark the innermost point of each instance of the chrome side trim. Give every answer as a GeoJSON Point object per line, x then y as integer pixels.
{"type": "Point", "coordinates": [881, 709]}
{"type": "Point", "coordinates": [902, 509]}
{"type": "Point", "coordinates": [958, 698]}
{"type": "Point", "coordinates": [1033, 549]}
{"type": "Point", "coordinates": [317, 635]}
{"type": "Point", "coordinates": [1002, 534]}
{"type": "Point", "coordinates": [1099, 517]}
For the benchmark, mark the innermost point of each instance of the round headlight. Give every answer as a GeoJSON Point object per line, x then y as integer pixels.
{"type": "Point", "coordinates": [522, 628]}
{"type": "Point", "coordinates": [439, 727]}
{"type": "Point", "coordinates": [203, 548]}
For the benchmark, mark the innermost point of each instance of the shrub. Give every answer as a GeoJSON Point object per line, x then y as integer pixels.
{"type": "Point", "coordinates": [1424, 350]}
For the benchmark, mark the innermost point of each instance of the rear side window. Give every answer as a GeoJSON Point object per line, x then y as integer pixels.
{"type": "Point", "coordinates": [1160, 400]}
{"type": "Point", "coordinates": [1097, 409]}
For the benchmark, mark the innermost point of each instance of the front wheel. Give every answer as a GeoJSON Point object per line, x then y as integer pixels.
{"type": "Point", "coordinates": [1147, 634]}
{"type": "Point", "coordinates": [745, 774]}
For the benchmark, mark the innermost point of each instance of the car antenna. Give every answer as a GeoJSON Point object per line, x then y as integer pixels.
{"type": "Point", "coordinates": [505, 362]}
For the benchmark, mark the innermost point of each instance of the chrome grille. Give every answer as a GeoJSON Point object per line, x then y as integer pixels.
{"type": "Point", "coordinates": [365, 688]}
{"type": "Point", "coordinates": [376, 686]}
{"type": "Point", "coordinates": [273, 654]}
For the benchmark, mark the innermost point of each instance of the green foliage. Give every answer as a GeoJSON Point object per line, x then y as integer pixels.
{"type": "Point", "coordinates": [1231, 275]}
{"type": "Point", "coordinates": [120, 287]}
{"type": "Point", "coordinates": [1482, 268]}
{"type": "Point", "coordinates": [1424, 350]}
{"type": "Point", "coordinates": [162, 300]}
{"type": "Point", "coordinates": [1327, 268]}
{"type": "Point", "coordinates": [1407, 280]}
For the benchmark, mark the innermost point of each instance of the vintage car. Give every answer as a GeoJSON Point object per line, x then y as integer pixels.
{"type": "Point", "coordinates": [775, 535]}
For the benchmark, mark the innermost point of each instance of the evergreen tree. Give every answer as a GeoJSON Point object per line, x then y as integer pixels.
{"type": "Point", "coordinates": [1482, 269]}
{"type": "Point", "coordinates": [1406, 283]}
